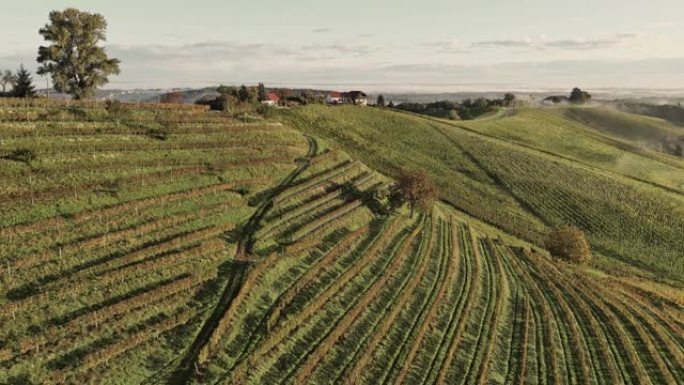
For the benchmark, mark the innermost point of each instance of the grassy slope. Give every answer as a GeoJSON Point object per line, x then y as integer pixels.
{"type": "Point", "coordinates": [495, 171]}
{"type": "Point", "coordinates": [624, 124]}
{"type": "Point", "coordinates": [110, 234]}
{"type": "Point", "coordinates": [112, 280]}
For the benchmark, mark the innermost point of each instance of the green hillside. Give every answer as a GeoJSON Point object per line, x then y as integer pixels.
{"type": "Point", "coordinates": [180, 246]}
{"type": "Point", "coordinates": [527, 173]}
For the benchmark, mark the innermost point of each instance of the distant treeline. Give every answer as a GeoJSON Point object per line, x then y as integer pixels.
{"type": "Point", "coordinates": [673, 113]}
{"type": "Point", "coordinates": [464, 110]}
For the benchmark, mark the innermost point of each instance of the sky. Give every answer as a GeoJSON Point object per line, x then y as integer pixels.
{"type": "Point", "coordinates": [397, 45]}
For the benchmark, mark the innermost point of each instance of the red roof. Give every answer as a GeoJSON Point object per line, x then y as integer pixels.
{"type": "Point", "coordinates": [272, 96]}
{"type": "Point", "coordinates": [335, 94]}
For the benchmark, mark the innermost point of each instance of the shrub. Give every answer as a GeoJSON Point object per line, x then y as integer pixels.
{"type": "Point", "coordinates": [570, 244]}
{"type": "Point", "coordinates": [265, 110]}
{"type": "Point", "coordinates": [23, 155]}
{"type": "Point", "coordinates": [113, 106]}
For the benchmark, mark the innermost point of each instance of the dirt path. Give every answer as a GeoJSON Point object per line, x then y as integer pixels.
{"type": "Point", "coordinates": [186, 370]}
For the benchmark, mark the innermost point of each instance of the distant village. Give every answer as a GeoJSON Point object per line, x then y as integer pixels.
{"type": "Point", "coordinates": [285, 98]}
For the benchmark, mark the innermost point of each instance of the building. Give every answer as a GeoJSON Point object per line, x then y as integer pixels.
{"type": "Point", "coordinates": [358, 98]}
{"type": "Point", "coordinates": [272, 99]}
{"type": "Point", "coordinates": [334, 97]}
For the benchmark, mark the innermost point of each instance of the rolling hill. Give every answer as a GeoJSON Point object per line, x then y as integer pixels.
{"type": "Point", "coordinates": [528, 172]}
{"type": "Point", "coordinates": [177, 245]}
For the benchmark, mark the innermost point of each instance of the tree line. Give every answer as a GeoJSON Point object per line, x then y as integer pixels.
{"type": "Point", "coordinates": [464, 110]}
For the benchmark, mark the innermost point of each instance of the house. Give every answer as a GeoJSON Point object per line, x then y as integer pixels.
{"type": "Point", "coordinates": [358, 98]}
{"type": "Point", "coordinates": [272, 99]}
{"type": "Point", "coordinates": [334, 97]}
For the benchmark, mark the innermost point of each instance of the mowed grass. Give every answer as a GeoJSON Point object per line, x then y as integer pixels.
{"type": "Point", "coordinates": [526, 174]}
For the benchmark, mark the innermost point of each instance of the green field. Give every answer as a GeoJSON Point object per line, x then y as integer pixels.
{"type": "Point", "coordinates": [529, 172]}
{"type": "Point", "coordinates": [184, 246]}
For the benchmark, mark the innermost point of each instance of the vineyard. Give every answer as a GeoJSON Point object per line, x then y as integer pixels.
{"type": "Point", "coordinates": [183, 246]}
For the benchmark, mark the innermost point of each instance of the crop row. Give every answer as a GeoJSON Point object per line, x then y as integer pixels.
{"type": "Point", "coordinates": [75, 286]}
{"type": "Point", "coordinates": [432, 335]}
{"type": "Point", "coordinates": [405, 312]}
{"type": "Point", "coordinates": [365, 324]}
{"type": "Point", "coordinates": [29, 261]}
{"type": "Point", "coordinates": [312, 273]}
{"type": "Point", "coordinates": [325, 319]}
{"type": "Point", "coordinates": [407, 293]}
{"type": "Point", "coordinates": [458, 323]}
{"type": "Point", "coordinates": [35, 129]}
{"type": "Point", "coordinates": [289, 325]}
{"type": "Point", "coordinates": [38, 102]}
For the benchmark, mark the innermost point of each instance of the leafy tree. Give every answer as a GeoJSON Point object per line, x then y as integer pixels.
{"type": "Point", "coordinates": [570, 244]}
{"type": "Point", "coordinates": [7, 78]}
{"type": "Point", "coordinates": [23, 88]}
{"type": "Point", "coordinates": [381, 101]}
{"type": "Point", "coordinates": [77, 64]}
{"type": "Point", "coordinates": [508, 99]}
{"type": "Point", "coordinates": [261, 92]}
{"type": "Point", "coordinates": [578, 96]}
{"type": "Point", "coordinates": [227, 90]}
{"type": "Point", "coordinates": [481, 103]}
{"type": "Point", "coordinates": [243, 94]}
{"type": "Point", "coordinates": [415, 188]}
{"type": "Point", "coordinates": [391, 104]}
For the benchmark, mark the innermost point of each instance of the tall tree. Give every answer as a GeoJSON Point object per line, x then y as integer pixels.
{"type": "Point", "coordinates": [508, 99]}
{"type": "Point", "coordinates": [381, 101]}
{"type": "Point", "coordinates": [23, 88]}
{"type": "Point", "coordinates": [7, 78]}
{"type": "Point", "coordinates": [77, 64]}
{"type": "Point", "coordinates": [243, 94]}
{"type": "Point", "coordinates": [262, 92]}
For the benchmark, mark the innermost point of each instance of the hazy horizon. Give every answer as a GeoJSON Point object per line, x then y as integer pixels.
{"type": "Point", "coordinates": [399, 46]}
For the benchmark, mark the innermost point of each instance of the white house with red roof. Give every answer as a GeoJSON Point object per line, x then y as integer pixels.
{"type": "Point", "coordinates": [272, 99]}
{"type": "Point", "coordinates": [334, 97]}
{"type": "Point", "coordinates": [358, 98]}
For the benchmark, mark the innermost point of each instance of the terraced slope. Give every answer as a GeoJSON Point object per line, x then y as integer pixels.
{"type": "Point", "coordinates": [435, 299]}
{"type": "Point", "coordinates": [527, 173]}
{"type": "Point", "coordinates": [116, 245]}
{"type": "Point", "coordinates": [185, 247]}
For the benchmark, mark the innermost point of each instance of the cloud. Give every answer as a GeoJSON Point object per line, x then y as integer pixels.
{"type": "Point", "coordinates": [446, 46]}
{"type": "Point", "coordinates": [617, 40]}
{"type": "Point", "coordinates": [341, 64]}
{"type": "Point", "coordinates": [322, 30]}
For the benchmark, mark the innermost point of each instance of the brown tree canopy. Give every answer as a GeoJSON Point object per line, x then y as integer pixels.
{"type": "Point", "coordinates": [175, 97]}
{"type": "Point", "coordinates": [570, 244]}
{"type": "Point", "coordinates": [416, 189]}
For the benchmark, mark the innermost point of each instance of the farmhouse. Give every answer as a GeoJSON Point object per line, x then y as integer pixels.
{"type": "Point", "coordinates": [334, 97]}
{"type": "Point", "coordinates": [272, 99]}
{"type": "Point", "coordinates": [358, 98]}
